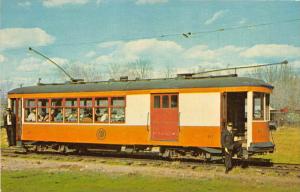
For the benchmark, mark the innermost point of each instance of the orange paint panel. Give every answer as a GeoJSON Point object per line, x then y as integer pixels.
{"type": "Point", "coordinates": [200, 136]}
{"type": "Point", "coordinates": [84, 133]}
{"type": "Point", "coordinates": [260, 132]}
{"type": "Point", "coordinates": [119, 134]}
{"type": "Point", "coordinates": [132, 92]}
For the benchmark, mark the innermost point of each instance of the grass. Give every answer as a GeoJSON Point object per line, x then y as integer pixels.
{"type": "Point", "coordinates": [287, 149]}
{"type": "Point", "coordinates": [3, 138]}
{"type": "Point", "coordinates": [74, 181]}
{"type": "Point", "coordinates": [287, 140]}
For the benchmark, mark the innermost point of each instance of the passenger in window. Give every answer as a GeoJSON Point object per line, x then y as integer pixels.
{"type": "Point", "coordinates": [101, 115]}
{"type": "Point", "coordinates": [43, 116]}
{"type": "Point", "coordinates": [58, 117]}
{"type": "Point", "coordinates": [97, 115]}
{"type": "Point", "coordinates": [86, 116]}
{"type": "Point", "coordinates": [31, 116]}
{"type": "Point", "coordinates": [104, 117]}
{"type": "Point", "coordinates": [67, 114]}
{"type": "Point", "coordinates": [52, 115]}
{"type": "Point", "coordinates": [73, 116]}
{"type": "Point", "coordinates": [118, 115]}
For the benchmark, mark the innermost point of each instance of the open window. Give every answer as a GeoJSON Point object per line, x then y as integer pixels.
{"type": "Point", "coordinates": [56, 110]}
{"type": "Point", "coordinates": [71, 110]}
{"type": "Point", "coordinates": [117, 110]}
{"type": "Point", "coordinates": [43, 110]}
{"type": "Point", "coordinates": [101, 110]}
{"type": "Point", "coordinates": [30, 110]}
{"type": "Point", "coordinates": [86, 110]}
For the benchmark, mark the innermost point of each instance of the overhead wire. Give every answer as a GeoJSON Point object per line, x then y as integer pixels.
{"type": "Point", "coordinates": [183, 34]}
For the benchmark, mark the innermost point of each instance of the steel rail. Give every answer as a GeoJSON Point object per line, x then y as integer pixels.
{"type": "Point", "coordinates": [142, 159]}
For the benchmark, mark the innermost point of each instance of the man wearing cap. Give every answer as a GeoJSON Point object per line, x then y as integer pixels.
{"type": "Point", "coordinates": [10, 125]}
{"type": "Point", "coordinates": [230, 147]}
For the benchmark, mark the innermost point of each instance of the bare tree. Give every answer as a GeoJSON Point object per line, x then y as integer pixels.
{"type": "Point", "coordinates": [116, 70]}
{"type": "Point", "coordinates": [141, 69]}
{"type": "Point", "coordinates": [169, 71]}
{"type": "Point", "coordinates": [87, 72]}
{"type": "Point", "coordinates": [268, 74]}
{"type": "Point", "coordinates": [286, 84]}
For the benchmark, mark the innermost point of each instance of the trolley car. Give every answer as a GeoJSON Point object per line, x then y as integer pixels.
{"type": "Point", "coordinates": [176, 116]}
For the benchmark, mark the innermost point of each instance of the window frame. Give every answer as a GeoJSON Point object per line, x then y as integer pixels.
{"type": "Point", "coordinates": [169, 95]}
{"type": "Point", "coordinates": [85, 107]}
{"type": "Point", "coordinates": [159, 102]}
{"type": "Point", "coordinates": [70, 107]}
{"type": "Point", "coordinates": [267, 106]}
{"type": "Point", "coordinates": [177, 101]}
{"type": "Point", "coordinates": [262, 106]}
{"type": "Point", "coordinates": [101, 107]}
{"type": "Point", "coordinates": [112, 107]}
{"type": "Point", "coordinates": [64, 108]}
{"type": "Point", "coordinates": [168, 102]}
{"type": "Point", "coordinates": [26, 107]}
{"type": "Point", "coordinates": [42, 107]}
{"type": "Point", "coordinates": [57, 107]}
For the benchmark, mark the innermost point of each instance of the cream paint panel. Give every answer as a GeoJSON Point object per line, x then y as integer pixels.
{"type": "Point", "coordinates": [249, 117]}
{"type": "Point", "coordinates": [138, 109]}
{"type": "Point", "coordinates": [23, 112]}
{"type": "Point", "coordinates": [199, 109]}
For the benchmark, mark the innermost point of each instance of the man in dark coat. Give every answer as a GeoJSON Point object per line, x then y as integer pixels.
{"type": "Point", "coordinates": [229, 146]}
{"type": "Point", "coordinates": [9, 119]}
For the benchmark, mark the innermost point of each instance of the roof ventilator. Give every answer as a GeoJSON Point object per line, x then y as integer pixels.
{"type": "Point", "coordinates": [124, 78]}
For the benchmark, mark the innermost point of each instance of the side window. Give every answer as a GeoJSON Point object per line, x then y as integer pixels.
{"type": "Point", "coordinates": [56, 110]}
{"type": "Point", "coordinates": [101, 110]}
{"type": "Point", "coordinates": [30, 110]}
{"type": "Point", "coordinates": [117, 114]}
{"type": "Point", "coordinates": [86, 110]}
{"type": "Point", "coordinates": [157, 101]}
{"type": "Point", "coordinates": [71, 110]}
{"type": "Point", "coordinates": [258, 106]}
{"type": "Point", "coordinates": [43, 110]}
{"type": "Point", "coordinates": [74, 110]}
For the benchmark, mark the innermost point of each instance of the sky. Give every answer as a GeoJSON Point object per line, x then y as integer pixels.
{"type": "Point", "coordinates": [99, 33]}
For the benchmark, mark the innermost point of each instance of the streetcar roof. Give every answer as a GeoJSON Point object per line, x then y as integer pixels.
{"type": "Point", "coordinates": [172, 83]}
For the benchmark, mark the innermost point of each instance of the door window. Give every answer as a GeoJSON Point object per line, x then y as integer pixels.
{"type": "Point", "coordinates": [174, 101]}
{"type": "Point", "coordinates": [156, 101]}
{"type": "Point", "coordinates": [165, 101]}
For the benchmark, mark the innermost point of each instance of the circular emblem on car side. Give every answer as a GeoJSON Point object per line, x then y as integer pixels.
{"type": "Point", "coordinates": [101, 134]}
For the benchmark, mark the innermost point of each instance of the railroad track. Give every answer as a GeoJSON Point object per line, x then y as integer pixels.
{"type": "Point", "coordinates": [261, 165]}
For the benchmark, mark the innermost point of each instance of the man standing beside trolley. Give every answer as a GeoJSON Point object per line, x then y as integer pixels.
{"type": "Point", "coordinates": [9, 119]}
{"type": "Point", "coordinates": [229, 146]}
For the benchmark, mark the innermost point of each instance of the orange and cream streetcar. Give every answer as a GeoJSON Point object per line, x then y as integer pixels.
{"type": "Point", "coordinates": [178, 116]}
